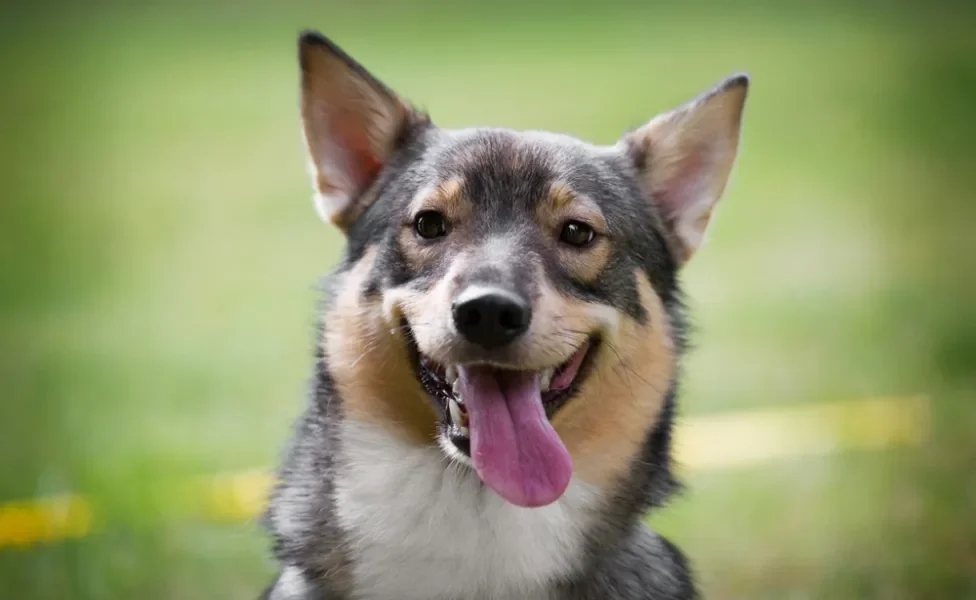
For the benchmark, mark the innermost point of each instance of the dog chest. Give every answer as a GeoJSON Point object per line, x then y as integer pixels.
{"type": "Point", "coordinates": [422, 526]}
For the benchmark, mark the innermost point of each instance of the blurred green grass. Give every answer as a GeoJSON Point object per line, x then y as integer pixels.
{"type": "Point", "coordinates": [158, 256]}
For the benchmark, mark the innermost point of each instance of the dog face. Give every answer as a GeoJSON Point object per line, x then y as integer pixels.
{"type": "Point", "coordinates": [510, 296]}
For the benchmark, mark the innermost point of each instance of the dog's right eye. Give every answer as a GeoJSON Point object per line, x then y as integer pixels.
{"type": "Point", "coordinates": [430, 224]}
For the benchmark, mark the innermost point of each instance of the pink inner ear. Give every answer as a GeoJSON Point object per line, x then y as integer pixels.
{"type": "Point", "coordinates": [361, 161]}
{"type": "Point", "coordinates": [681, 185]}
{"type": "Point", "coordinates": [368, 166]}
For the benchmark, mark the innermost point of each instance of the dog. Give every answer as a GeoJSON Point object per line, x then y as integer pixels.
{"type": "Point", "coordinates": [497, 353]}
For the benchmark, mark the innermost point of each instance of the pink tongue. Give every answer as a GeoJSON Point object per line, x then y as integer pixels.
{"type": "Point", "coordinates": [515, 450]}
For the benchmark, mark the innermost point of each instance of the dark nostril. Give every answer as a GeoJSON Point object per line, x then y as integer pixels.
{"type": "Point", "coordinates": [510, 318]}
{"type": "Point", "coordinates": [471, 316]}
{"type": "Point", "coordinates": [492, 317]}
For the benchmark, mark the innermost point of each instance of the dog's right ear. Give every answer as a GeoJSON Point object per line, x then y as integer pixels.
{"type": "Point", "coordinates": [352, 125]}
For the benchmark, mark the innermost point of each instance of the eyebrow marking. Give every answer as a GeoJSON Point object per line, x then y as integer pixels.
{"type": "Point", "coordinates": [560, 194]}
{"type": "Point", "coordinates": [446, 196]}
{"type": "Point", "coordinates": [450, 190]}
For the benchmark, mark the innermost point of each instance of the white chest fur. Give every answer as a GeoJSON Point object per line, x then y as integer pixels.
{"type": "Point", "coordinates": [422, 527]}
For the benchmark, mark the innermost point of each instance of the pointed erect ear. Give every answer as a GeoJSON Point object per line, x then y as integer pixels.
{"type": "Point", "coordinates": [352, 125]}
{"type": "Point", "coordinates": [684, 158]}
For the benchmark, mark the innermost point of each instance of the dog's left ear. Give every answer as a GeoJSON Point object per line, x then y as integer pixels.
{"type": "Point", "coordinates": [352, 123]}
{"type": "Point", "coordinates": [684, 158]}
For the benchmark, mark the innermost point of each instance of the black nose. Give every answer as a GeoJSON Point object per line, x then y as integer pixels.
{"type": "Point", "coordinates": [491, 317]}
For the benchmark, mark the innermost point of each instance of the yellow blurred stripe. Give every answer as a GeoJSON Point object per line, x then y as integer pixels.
{"type": "Point", "coordinates": [741, 439]}
{"type": "Point", "coordinates": [45, 519]}
{"type": "Point", "coordinates": [701, 443]}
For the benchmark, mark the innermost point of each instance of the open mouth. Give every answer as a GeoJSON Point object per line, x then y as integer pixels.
{"type": "Point", "coordinates": [500, 418]}
{"type": "Point", "coordinates": [556, 386]}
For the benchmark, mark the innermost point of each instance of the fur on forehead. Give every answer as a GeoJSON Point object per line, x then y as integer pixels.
{"type": "Point", "coordinates": [521, 160]}
{"type": "Point", "coordinates": [555, 151]}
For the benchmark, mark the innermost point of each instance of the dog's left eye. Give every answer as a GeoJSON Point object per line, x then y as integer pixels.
{"type": "Point", "coordinates": [430, 224]}
{"type": "Point", "coordinates": [576, 233]}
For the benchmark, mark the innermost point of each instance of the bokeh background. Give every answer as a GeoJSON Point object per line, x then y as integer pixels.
{"type": "Point", "coordinates": [159, 254]}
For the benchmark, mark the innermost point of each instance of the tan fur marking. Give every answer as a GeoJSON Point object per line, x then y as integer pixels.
{"type": "Point", "coordinates": [370, 364]}
{"type": "Point", "coordinates": [587, 264]}
{"type": "Point", "coordinates": [448, 198]}
{"type": "Point", "coordinates": [604, 426]}
{"type": "Point", "coordinates": [415, 254]}
{"type": "Point", "coordinates": [563, 204]}
{"type": "Point", "coordinates": [562, 325]}
{"type": "Point", "coordinates": [560, 195]}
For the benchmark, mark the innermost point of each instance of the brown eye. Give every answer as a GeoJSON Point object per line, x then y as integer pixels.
{"type": "Point", "coordinates": [576, 234]}
{"type": "Point", "coordinates": [430, 224]}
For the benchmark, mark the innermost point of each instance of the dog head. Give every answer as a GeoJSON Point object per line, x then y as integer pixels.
{"type": "Point", "coordinates": [510, 296]}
